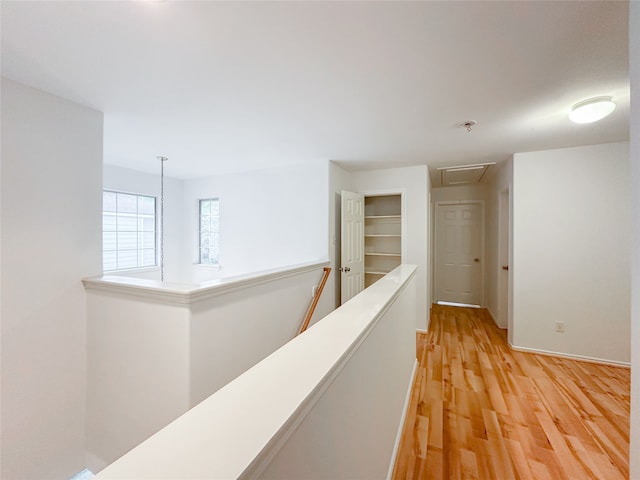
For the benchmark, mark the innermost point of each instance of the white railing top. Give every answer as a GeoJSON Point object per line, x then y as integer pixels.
{"type": "Point", "coordinates": [236, 430]}
{"type": "Point", "coordinates": [180, 293]}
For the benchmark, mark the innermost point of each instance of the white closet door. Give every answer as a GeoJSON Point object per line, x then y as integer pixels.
{"type": "Point", "coordinates": [351, 245]}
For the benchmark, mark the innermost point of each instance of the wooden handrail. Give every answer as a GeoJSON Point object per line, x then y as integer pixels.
{"type": "Point", "coordinates": [314, 302]}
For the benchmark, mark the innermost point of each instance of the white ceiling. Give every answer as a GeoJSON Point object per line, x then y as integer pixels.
{"type": "Point", "coordinates": [230, 86]}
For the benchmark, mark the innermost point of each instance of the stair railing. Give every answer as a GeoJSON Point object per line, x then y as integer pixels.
{"type": "Point", "coordinates": [314, 302]}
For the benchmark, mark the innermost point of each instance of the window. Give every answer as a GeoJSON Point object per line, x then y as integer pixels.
{"type": "Point", "coordinates": [128, 231]}
{"type": "Point", "coordinates": [209, 231]}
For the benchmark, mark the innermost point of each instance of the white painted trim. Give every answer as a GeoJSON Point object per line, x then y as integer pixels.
{"type": "Point", "coordinates": [185, 294]}
{"type": "Point", "coordinates": [420, 330]}
{"type": "Point", "coordinates": [403, 418]}
{"type": "Point", "coordinates": [569, 356]}
{"type": "Point", "coordinates": [203, 266]}
{"type": "Point", "coordinates": [132, 271]}
{"type": "Point", "coordinates": [456, 304]}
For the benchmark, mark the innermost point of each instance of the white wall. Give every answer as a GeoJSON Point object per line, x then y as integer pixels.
{"type": "Point", "coordinates": [268, 218]}
{"type": "Point", "coordinates": [231, 333]}
{"type": "Point", "coordinates": [175, 252]}
{"type": "Point", "coordinates": [460, 192]}
{"type": "Point", "coordinates": [414, 181]}
{"type": "Point", "coordinates": [634, 55]}
{"type": "Point", "coordinates": [137, 372]}
{"type": "Point", "coordinates": [51, 227]}
{"type": "Point", "coordinates": [571, 244]}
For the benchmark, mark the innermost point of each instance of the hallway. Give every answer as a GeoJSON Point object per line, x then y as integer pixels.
{"type": "Point", "coordinates": [481, 410]}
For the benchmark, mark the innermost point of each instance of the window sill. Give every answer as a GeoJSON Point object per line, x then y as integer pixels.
{"type": "Point", "coordinates": [132, 271]}
{"type": "Point", "coordinates": [204, 266]}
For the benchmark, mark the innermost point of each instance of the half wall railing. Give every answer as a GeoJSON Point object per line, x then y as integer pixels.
{"type": "Point", "coordinates": [328, 404]}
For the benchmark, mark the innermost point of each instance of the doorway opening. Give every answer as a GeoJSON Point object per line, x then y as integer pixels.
{"type": "Point", "coordinates": [371, 240]}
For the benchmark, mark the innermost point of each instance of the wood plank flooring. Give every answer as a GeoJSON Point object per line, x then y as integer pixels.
{"type": "Point", "coordinates": [480, 410]}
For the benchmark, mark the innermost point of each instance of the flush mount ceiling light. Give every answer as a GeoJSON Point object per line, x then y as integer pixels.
{"type": "Point", "coordinates": [592, 110]}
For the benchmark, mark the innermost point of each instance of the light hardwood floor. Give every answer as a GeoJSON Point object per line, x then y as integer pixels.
{"type": "Point", "coordinates": [481, 410]}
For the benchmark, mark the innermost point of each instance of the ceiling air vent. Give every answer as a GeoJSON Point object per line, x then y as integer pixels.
{"type": "Point", "coordinates": [463, 174]}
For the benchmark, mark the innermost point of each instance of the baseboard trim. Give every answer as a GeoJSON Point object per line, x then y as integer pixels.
{"type": "Point", "coordinates": [420, 330]}
{"type": "Point", "coordinates": [569, 356]}
{"type": "Point", "coordinates": [403, 418]}
{"type": "Point", "coordinates": [456, 304]}
{"type": "Point", "coordinates": [493, 317]}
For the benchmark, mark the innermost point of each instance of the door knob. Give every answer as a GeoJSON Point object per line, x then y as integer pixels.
{"type": "Point", "coordinates": [505, 267]}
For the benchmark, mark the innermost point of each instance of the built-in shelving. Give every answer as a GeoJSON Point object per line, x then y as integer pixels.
{"type": "Point", "coordinates": [383, 236]}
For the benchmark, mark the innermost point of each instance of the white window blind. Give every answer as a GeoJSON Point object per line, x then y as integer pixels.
{"type": "Point", "coordinates": [128, 231]}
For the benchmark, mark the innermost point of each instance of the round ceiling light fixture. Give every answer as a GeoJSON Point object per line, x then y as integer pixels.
{"type": "Point", "coordinates": [592, 110]}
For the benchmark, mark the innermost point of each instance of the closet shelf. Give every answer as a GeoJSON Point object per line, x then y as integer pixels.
{"type": "Point", "coordinates": [383, 235]}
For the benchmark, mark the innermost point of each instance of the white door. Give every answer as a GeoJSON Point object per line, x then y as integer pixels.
{"type": "Point", "coordinates": [458, 253]}
{"type": "Point", "coordinates": [351, 245]}
{"type": "Point", "coordinates": [503, 252]}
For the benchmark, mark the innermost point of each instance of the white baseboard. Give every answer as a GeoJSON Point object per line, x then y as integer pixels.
{"type": "Point", "coordinates": [420, 330]}
{"type": "Point", "coordinates": [602, 361]}
{"type": "Point", "coordinates": [403, 418]}
{"type": "Point", "coordinates": [493, 317]}
{"type": "Point", "coordinates": [569, 356]}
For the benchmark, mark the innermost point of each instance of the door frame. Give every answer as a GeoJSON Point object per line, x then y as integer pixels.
{"type": "Point", "coordinates": [504, 258]}
{"type": "Point", "coordinates": [483, 251]}
{"type": "Point", "coordinates": [507, 203]}
{"type": "Point", "coordinates": [370, 193]}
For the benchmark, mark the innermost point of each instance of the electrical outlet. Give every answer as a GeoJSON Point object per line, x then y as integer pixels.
{"type": "Point", "coordinates": [560, 327]}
